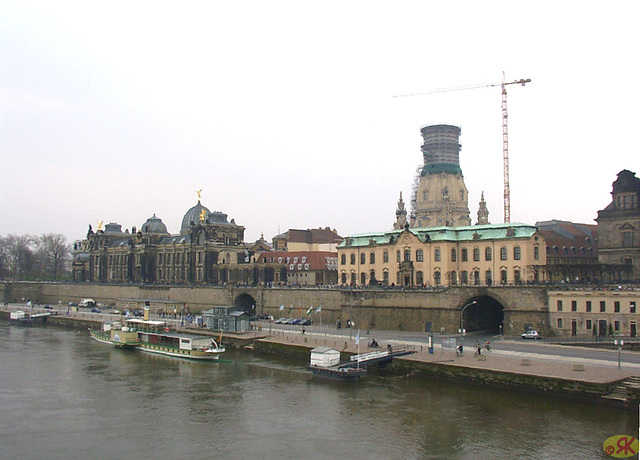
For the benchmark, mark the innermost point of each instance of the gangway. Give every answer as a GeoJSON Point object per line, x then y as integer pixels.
{"type": "Point", "coordinates": [378, 356]}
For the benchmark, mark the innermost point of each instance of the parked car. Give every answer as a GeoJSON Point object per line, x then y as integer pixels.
{"type": "Point", "coordinates": [48, 307]}
{"type": "Point", "coordinates": [531, 335]}
{"type": "Point", "coordinates": [96, 310]}
{"type": "Point", "coordinates": [281, 320]}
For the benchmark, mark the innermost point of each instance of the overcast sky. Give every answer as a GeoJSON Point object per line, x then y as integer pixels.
{"type": "Point", "coordinates": [283, 112]}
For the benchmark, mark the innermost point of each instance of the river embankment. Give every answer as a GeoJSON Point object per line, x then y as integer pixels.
{"type": "Point", "coordinates": [564, 379]}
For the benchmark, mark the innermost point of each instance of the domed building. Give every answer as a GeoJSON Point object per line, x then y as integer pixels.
{"type": "Point", "coordinates": [208, 250]}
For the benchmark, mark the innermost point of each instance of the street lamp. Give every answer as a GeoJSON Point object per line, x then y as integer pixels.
{"type": "Point", "coordinates": [462, 316]}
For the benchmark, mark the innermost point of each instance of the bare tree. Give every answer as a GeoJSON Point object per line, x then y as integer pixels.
{"type": "Point", "coordinates": [53, 252]}
{"type": "Point", "coordinates": [20, 255]}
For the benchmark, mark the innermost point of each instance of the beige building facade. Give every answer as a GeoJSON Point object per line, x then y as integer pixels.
{"type": "Point", "coordinates": [587, 312]}
{"type": "Point", "coordinates": [506, 254]}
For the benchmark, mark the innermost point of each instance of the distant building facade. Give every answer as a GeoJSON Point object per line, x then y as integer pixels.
{"type": "Point", "coordinates": [208, 250]}
{"type": "Point", "coordinates": [314, 239]}
{"type": "Point", "coordinates": [572, 252]}
{"type": "Point", "coordinates": [588, 312]}
{"type": "Point", "coordinates": [302, 268]}
{"type": "Point", "coordinates": [443, 256]}
{"type": "Point", "coordinates": [619, 229]}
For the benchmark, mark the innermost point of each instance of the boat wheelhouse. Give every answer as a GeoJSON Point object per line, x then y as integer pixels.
{"type": "Point", "coordinates": [113, 333]}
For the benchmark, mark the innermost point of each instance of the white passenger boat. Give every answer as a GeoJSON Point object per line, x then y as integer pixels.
{"type": "Point", "coordinates": [157, 337]}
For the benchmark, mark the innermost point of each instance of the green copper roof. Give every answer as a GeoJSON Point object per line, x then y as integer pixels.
{"type": "Point", "coordinates": [469, 233]}
{"type": "Point", "coordinates": [437, 168]}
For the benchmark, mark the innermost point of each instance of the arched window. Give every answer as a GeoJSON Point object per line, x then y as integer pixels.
{"type": "Point", "coordinates": [436, 278]}
{"type": "Point", "coordinates": [343, 259]}
{"type": "Point", "coordinates": [487, 253]}
{"type": "Point", "coordinates": [363, 258]}
{"type": "Point", "coordinates": [476, 254]}
{"type": "Point", "coordinates": [398, 257]}
{"type": "Point", "coordinates": [503, 253]}
{"type": "Point", "coordinates": [536, 252]}
{"type": "Point", "coordinates": [516, 253]}
{"type": "Point", "coordinates": [463, 255]}
{"type": "Point", "coordinates": [453, 255]}
{"type": "Point", "coordinates": [385, 256]}
{"type": "Point", "coordinates": [436, 254]}
{"type": "Point", "coordinates": [407, 255]}
{"type": "Point", "coordinates": [419, 255]}
{"type": "Point", "coordinates": [372, 258]}
{"type": "Point", "coordinates": [353, 259]}
{"type": "Point", "coordinates": [363, 278]}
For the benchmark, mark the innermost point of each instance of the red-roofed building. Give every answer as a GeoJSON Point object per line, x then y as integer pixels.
{"type": "Point", "coordinates": [298, 267]}
{"type": "Point", "coordinates": [572, 251]}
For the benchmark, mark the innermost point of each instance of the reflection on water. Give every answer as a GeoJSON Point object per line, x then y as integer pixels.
{"type": "Point", "coordinates": [63, 395]}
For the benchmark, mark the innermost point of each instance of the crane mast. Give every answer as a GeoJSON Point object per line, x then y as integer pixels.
{"type": "Point", "coordinates": [505, 130]}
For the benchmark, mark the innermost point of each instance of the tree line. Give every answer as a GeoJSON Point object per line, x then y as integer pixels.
{"type": "Point", "coordinates": [29, 257]}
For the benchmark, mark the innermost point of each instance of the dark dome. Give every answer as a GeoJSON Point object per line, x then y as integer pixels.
{"type": "Point", "coordinates": [154, 225]}
{"type": "Point", "coordinates": [193, 216]}
{"type": "Point", "coordinates": [113, 228]}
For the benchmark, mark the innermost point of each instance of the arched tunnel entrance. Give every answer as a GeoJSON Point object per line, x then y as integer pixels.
{"type": "Point", "coordinates": [246, 303]}
{"type": "Point", "coordinates": [482, 314]}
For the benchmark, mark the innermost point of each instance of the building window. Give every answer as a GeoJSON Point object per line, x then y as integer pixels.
{"type": "Point", "coordinates": [632, 307]}
{"type": "Point", "coordinates": [627, 239]}
{"type": "Point", "coordinates": [559, 305]}
{"type": "Point", "coordinates": [503, 277]}
{"type": "Point", "coordinates": [353, 259]}
{"type": "Point", "coordinates": [436, 278]}
{"type": "Point", "coordinates": [588, 306]}
{"type": "Point", "coordinates": [588, 325]}
{"type": "Point", "coordinates": [616, 326]}
{"type": "Point", "coordinates": [453, 255]}
{"type": "Point", "coordinates": [363, 278]}
{"type": "Point", "coordinates": [407, 255]}
{"type": "Point", "coordinates": [453, 277]}
{"type": "Point", "coordinates": [343, 259]}
{"type": "Point", "coordinates": [536, 252]}
{"type": "Point", "coordinates": [488, 277]}
{"type": "Point", "coordinates": [603, 306]}
{"type": "Point", "coordinates": [419, 277]}
{"type": "Point", "coordinates": [343, 277]}
{"type": "Point", "coordinates": [503, 253]}
{"type": "Point", "coordinates": [516, 253]}
{"type": "Point", "coordinates": [487, 253]}
{"type": "Point", "coordinates": [385, 256]}
{"type": "Point", "coordinates": [464, 277]}
{"type": "Point", "coordinates": [419, 255]}
{"type": "Point", "coordinates": [616, 307]}
{"type": "Point", "coordinates": [476, 255]}
{"type": "Point", "coordinates": [385, 277]}
{"type": "Point", "coordinates": [574, 305]}
{"type": "Point", "coordinates": [476, 277]}
{"type": "Point", "coordinates": [464, 255]}
{"type": "Point", "coordinates": [398, 257]}
{"type": "Point", "coordinates": [436, 254]}
{"type": "Point", "coordinates": [559, 323]}
{"type": "Point", "coordinates": [516, 277]}
{"type": "Point", "coordinates": [363, 258]}
{"type": "Point", "coordinates": [372, 258]}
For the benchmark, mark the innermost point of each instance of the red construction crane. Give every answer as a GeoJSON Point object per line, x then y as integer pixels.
{"type": "Point", "coordinates": [505, 129]}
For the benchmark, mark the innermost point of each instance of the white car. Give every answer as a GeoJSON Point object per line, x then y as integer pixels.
{"type": "Point", "coordinates": [531, 335]}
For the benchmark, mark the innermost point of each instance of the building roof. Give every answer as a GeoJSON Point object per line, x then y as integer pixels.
{"type": "Point", "coordinates": [467, 233]}
{"type": "Point", "coordinates": [311, 236]}
{"type": "Point", "coordinates": [570, 240]}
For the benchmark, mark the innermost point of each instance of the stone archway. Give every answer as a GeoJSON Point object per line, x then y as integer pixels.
{"type": "Point", "coordinates": [246, 303]}
{"type": "Point", "coordinates": [482, 313]}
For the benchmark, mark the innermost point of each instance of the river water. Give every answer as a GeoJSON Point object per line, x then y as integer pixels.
{"type": "Point", "coordinates": [64, 396]}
